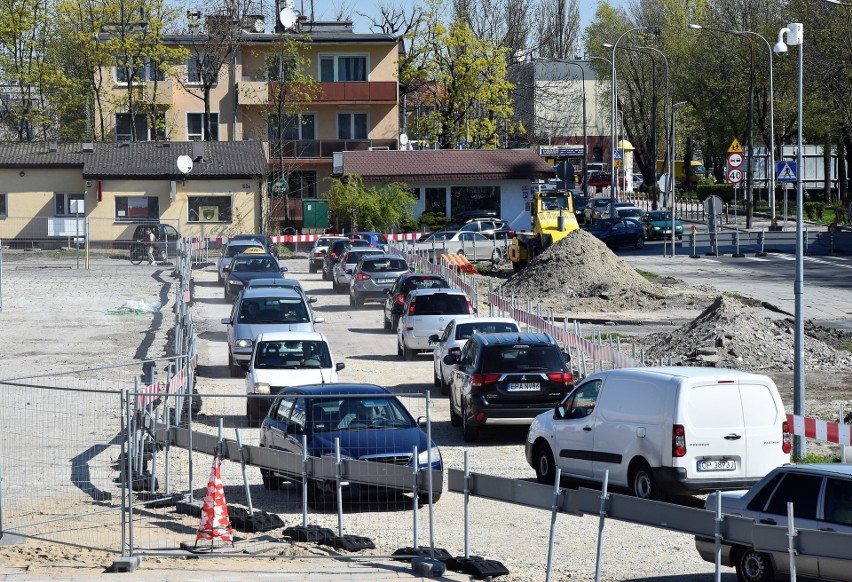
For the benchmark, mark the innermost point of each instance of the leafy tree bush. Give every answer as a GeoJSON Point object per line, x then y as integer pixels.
{"type": "Point", "coordinates": [382, 207]}
{"type": "Point", "coordinates": [433, 220]}
{"type": "Point", "coordinates": [723, 191]}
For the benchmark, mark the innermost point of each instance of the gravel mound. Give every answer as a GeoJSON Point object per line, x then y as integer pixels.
{"type": "Point", "coordinates": [728, 335]}
{"type": "Point", "coordinates": [581, 266]}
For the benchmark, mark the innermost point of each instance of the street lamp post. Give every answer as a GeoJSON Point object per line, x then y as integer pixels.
{"type": "Point", "coordinates": [796, 36]}
{"type": "Point", "coordinates": [771, 108]}
{"type": "Point", "coordinates": [675, 107]}
{"type": "Point", "coordinates": [585, 131]}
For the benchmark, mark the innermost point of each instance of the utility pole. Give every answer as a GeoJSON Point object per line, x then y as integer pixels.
{"type": "Point", "coordinates": [749, 179]}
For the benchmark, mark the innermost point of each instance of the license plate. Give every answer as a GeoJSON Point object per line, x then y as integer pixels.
{"type": "Point", "coordinates": [386, 280]}
{"type": "Point", "coordinates": [524, 387]}
{"type": "Point", "coordinates": [717, 465]}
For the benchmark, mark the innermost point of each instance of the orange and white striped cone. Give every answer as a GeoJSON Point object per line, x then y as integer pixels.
{"type": "Point", "coordinates": [215, 522]}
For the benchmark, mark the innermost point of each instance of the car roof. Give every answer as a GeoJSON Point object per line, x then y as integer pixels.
{"type": "Point", "coordinates": [269, 282]}
{"type": "Point", "coordinates": [432, 291]}
{"type": "Point", "coordinates": [253, 292]}
{"type": "Point", "coordinates": [380, 256]}
{"type": "Point", "coordinates": [844, 469]}
{"type": "Point", "coordinates": [271, 336]}
{"type": "Point", "coordinates": [435, 276]}
{"type": "Point", "coordinates": [333, 388]}
{"type": "Point", "coordinates": [510, 339]}
{"type": "Point", "coordinates": [474, 319]}
{"type": "Point", "coordinates": [245, 242]}
{"type": "Point", "coordinates": [263, 255]}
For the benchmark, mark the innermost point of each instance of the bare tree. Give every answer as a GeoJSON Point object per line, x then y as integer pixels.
{"type": "Point", "coordinates": [558, 33]}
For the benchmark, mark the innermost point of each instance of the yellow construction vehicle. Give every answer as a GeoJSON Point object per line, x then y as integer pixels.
{"type": "Point", "coordinates": [552, 217]}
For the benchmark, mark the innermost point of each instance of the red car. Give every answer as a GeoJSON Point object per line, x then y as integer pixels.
{"type": "Point", "coordinates": [599, 180]}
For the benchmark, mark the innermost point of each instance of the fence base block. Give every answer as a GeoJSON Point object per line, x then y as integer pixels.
{"type": "Point", "coordinates": [428, 567]}
{"type": "Point", "coordinates": [191, 507]}
{"type": "Point", "coordinates": [738, 255]}
{"type": "Point", "coordinates": [157, 500]}
{"type": "Point", "coordinates": [406, 554]}
{"type": "Point", "coordinates": [477, 566]}
{"type": "Point", "coordinates": [127, 564]}
{"type": "Point", "coordinates": [8, 539]}
{"type": "Point", "coordinates": [350, 543]}
{"type": "Point", "coordinates": [259, 521]}
{"type": "Point", "coordinates": [308, 533]}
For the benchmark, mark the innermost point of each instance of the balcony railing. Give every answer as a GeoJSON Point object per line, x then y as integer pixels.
{"type": "Point", "coordinates": [325, 148]}
{"type": "Point", "coordinates": [358, 93]}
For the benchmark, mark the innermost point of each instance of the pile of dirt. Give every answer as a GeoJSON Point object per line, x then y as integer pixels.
{"type": "Point", "coordinates": [728, 335]}
{"type": "Point", "coordinates": [581, 266]}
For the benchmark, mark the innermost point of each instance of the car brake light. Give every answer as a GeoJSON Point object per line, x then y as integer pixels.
{"type": "Point", "coordinates": [565, 378]}
{"type": "Point", "coordinates": [786, 438]}
{"type": "Point", "coordinates": [411, 307]}
{"type": "Point", "coordinates": [678, 441]}
{"type": "Point", "coordinates": [363, 277]}
{"type": "Point", "coordinates": [333, 255]}
{"type": "Point", "coordinates": [478, 381]}
{"type": "Point", "coordinates": [470, 308]}
{"type": "Point", "coordinates": [400, 298]}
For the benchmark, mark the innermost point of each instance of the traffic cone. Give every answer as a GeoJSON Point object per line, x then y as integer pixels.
{"type": "Point", "coordinates": [214, 512]}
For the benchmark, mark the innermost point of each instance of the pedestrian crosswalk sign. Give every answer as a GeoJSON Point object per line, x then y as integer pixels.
{"type": "Point", "coordinates": [785, 171]}
{"type": "Point", "coordinates": [618, 155]}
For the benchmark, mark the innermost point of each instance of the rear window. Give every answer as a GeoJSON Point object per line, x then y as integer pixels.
{"type": "Point", "coordinates": [384, 265]}
{"type": "Point", "coordinates": [507, 359]}
{"type": "Point", "coordinates": [273, 310]}
{"type": "Point", "coordinates": [425, 283]}
{"type": "Point", "coordinates": [355, 256]}
{"type": "Point", "coordinates": [465, 330]}
{"type": "Point", "coordinates": [233, 250]}
{"type": "Point", "coordinates": [441, 304]}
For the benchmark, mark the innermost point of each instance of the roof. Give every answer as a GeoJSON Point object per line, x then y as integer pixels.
{"type": "Point", "coordinates": [141, 159]}
{"type": "Point", "coordinates": [514, 339]}
{"type": "Point", "coordinates": [446, 165]}
{"type": "Point", "coordinates": [275, 336]}
{"type": "Point", "coordinates": [338, 388]}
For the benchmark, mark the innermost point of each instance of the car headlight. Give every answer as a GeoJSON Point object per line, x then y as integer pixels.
{"type": "Point", "coordinates": [423, 457]}
{"type": "Point", "coordinates": [656, 228]}
{"type": "Point", "coordinates": [244, 343]}
{"type": "Point", "coordinates": [235, 282]}
{"type": "Point", "coordinates": [261, 388]}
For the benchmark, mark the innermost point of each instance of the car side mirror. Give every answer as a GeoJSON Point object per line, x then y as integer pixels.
{"type": "Point", "coordinates": [559, 412]}
{"type": "Point", "coordinates": [421, 421]}
{"type": "Point", "coordinates": [319, 320]}
{"type": "Point", "coordinates": [312, 299]}
{"type": "Point", "coordinates": [434, 338]}
{"type": "Point", "coordinates": [451, 359]}
{"type": "Point", "coordinates": [226, 321]}
{"type": "Point", "coordinates": [456, 351]}
{"type": "Point", "coordinates": [567, 356]}
{"type": "Point", "coordinates": [284, 269]}
{"type": "Point", "coordinates": [339, 366]}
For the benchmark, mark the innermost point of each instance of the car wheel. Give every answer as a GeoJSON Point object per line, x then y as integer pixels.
{"type": "Point", "coordinates": [251, 418]}
{"type": "Point", "coordinates": [408, 354]}
{"type": "Point", "coordinates": [640, 242]}
{"type": "Point", "coordinates": [312, 268]}
{"type": "Point", "coordinates": [423, 498]}
{"type": "Point", "coordinates": [643, 484]}
{"type": "Point", "coordinates": [325, 275]}
{"type": "Point", "coordinates": [220, 280]}
{"type": "Point", "coordinates": [469, 431]}
{"type": "Point", "coordinates": [399, 351]}
{"type": "Point", "coordinates": [394, 323]}
{"type": "Point", "coordinates": [317, 498]}
{"type": "Point", "coordinates": [545, 466]}
{"type": "Point", "coordinates": [351, 300]}
{"type": "Point", "coordinates": [435, 380]}
{"type": "Point", "coordinates": [233, 368]}
{"type": "Point", "coordinates": [359, 300]}
{"type": "Point", "coordinates": [753, 566]}
{"type": "Point", "coordinates": [387, 324]}
{"type": "Point", "coordinates": [680, 237]}
{"type": "Point", "coordinates": [445, 387]}
{"type": "Point", "coordinates": [455, 418]}
{"type": "Point", "coordinates": [271, 482]}
{"type": "Point", "coordinates": [337, 288]}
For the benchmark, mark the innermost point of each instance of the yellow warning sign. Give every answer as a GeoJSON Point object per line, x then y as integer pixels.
{"type": "Point", "coordinates": [735, 147]}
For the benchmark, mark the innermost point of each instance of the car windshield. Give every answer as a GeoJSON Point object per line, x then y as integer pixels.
{"type": "Point", "coordinates": [657, 215]}
{"type": "Point", "coordinates": [292, 354]}
{"type": "Point", "coordinates": [521, 358]}
{"type": "Point", "coordinates": [443, 235]}
{"type": "Point", "coordinates": [629, 212]}
{"type": "Point", "coordinates": [441, 304]}
{"type": "Point", "coordinates": [254, 265]}
{"type": "Point", "coordinates": [234, 250]}
{"type": "Point", "coordinates": [559, 203]}
{"type": "Point", "coordinates": [273, 310]}
{"type": "Point", "coordinates": [384, 265]}
{"type": "Point", "coordinates": [359, 413]}
{"type": "Point", "coordinates": [425, 282]}
{"type": "Point", "coordinates": [465, 330]}
{"type": "Point", "coordinates": [352, 257]}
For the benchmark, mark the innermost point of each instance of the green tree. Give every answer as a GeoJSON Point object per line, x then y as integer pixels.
{"type": "Point", "coordinates": [359, 207]}
{"type": "Point", "coordinates": [463, 81]}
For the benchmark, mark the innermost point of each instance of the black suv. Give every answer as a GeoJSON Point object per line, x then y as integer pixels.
{"type": "Point", "coordinates": [335, 252]}
{"type": "Point", "coordinates": [506, 378]}
{"type": "Point", "coordinates": [396, 295]}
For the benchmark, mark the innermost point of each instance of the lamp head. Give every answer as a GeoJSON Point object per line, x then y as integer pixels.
{"type": "Point", "coordinates": [607, 45]}
{"type": "Point", "coordinates": [780, 46]}
{"type": "Point", "coordinates": [695, 26]}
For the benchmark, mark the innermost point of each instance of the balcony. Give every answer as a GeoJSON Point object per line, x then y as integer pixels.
{"type": "Point", "coordinates": [346, 93]}
{"type": "Point", "coordinates": [325, 148]}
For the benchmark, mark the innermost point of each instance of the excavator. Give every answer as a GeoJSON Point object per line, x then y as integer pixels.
{"type": "Point", "coordinates": [552, 217]}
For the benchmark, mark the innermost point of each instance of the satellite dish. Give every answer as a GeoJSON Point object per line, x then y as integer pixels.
{"type": "Point", "coordinates": [403, 139]}
{"type": "Point", "coordinates": [184, 164]}
{"type": "Point", "coordinates": [288, 17]}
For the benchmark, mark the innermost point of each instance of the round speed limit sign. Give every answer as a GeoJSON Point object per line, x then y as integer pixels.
{"type": "Point", "coordinates": [735, 175]}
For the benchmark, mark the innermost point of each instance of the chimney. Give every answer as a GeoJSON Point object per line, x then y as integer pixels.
{"type": "Point", "coordinates": [52, 145]}
{"type": "Point", "coordinates": [198, 150]}
{"type": "Point", "coordinates": [88, 146]}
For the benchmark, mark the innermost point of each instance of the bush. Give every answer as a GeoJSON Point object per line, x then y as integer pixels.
{"type": "Point", "coordinates": [408, 224]}
{"type": "Point", "coordinates": [814, 211]}
{"type": "Point", "coordinates": [841, 216]}
{"type": "Point", "coordinates": [433, 220]}
{"type": "Point", "coordinates": [723, 191]}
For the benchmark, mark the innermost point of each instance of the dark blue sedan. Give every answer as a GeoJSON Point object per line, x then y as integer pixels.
{"type": "Point", "coordinates": [371, 423]}
{"type": "Point", "coordinates": [618, 232]}
{"type": "Point", "coordinates": [248, 266]}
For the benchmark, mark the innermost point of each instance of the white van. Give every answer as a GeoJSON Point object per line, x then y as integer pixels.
{"type": "Point", "coordinates": [661, 431]}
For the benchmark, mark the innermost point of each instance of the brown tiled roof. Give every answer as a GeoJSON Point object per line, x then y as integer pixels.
{"type": "Point", "coordinates": [446, 165]}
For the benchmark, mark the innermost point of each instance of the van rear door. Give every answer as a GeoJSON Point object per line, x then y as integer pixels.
{"type": "Point", "coordinates": [715, 432]}
{"type": "Point", "coordinates": [764, 417]}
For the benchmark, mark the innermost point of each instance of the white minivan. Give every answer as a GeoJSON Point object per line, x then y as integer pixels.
{"type": "Point", "coordinates": [660, 431]}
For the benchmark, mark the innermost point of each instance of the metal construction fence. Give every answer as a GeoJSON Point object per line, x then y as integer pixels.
{"type": "Point", "coordinates": [759, 242]}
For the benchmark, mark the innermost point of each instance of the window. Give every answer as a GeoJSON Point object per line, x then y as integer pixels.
{"type": "Point", "coordinates": [303, 184]}
{"type": "Point", "coordinates": [209, 209]}
{"type": "Point", "coordinates": [352, 126]}
{"type": "Point", "coordinates": [198, 72]}
{"type": "Point", "coordinates": [343, 68]}
{"type": "Point", "coordinates": [802, 490]}
{"type": "Point", "coordinates": [465, 198]}
{"type": "Point", "coordinates": [195, 127]}
{"type": "Point", "coordinates": [150, 71]}
{"type": "Point", "coordinates": [436, 201]}
{"type": "Point", "coordinates": [3, 210]}
{"type": "Point", "coordinates": [68, 204]}
{"type": "Point", "coordinates": [131, 208]}
{"type": "Point", "coordinates": [302, 126]}
{"type": "Point", "coordinates": [146, 127]}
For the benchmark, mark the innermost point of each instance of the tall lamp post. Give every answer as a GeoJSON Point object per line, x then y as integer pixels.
{"type": "Point", "coordinates": [585, 131]}
{"type": "Point", "coordinates": [614, 98]}
{"type": "Point", "coordinates": [675, 107]}
{"type": "Point", "coordinates": [771, 107]}
{"type": "Point", "coordinates": [796, 36]}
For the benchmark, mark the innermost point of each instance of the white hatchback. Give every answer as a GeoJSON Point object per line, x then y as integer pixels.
{"type": "Point", "coordinates": [454, 336]}
{"type": "Point", "coordinates": [426, 313]}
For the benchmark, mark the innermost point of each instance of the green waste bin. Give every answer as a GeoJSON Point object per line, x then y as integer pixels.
{"type": "Point", "coordinates": [314, 213]}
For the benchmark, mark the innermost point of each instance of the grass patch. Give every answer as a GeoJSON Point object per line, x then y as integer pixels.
{"type": "Point", "coordinates": [743, 299]}
{"type": "Point", "coordinates": [648, 275]}
{"type": "Point", "coordinates": [605, 336]}
{"type": "Point", "coordinates": [847, 346]}
{"type": "Point", "coordinates": [812, 458]}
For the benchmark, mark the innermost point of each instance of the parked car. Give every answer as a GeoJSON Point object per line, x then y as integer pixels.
{"type": "Point", "coordinates": [373, 277]}
{"type": "Point", "coordinates": [579, 202]}
{"type": "Point", "coordinates": [505, 379]}
{"type": "Point", "coordinates": [427, 312]}
{"type": "Point", "coordinates": [599, 180]}
{"type": "Point", "coordinates": [658, 224]}
{"type": "Point", "coordinates": [664, 431]}
{"type": "Point", "coordinates": [371, 424]}
{"type": "Point", "coordinates": [283, 282]}
{"type": "Point", "coordinates": [264, 239]}
{"type": "Point", "coordinates": [282, 359]}
{"type": "Point", "coordinates": [247, 266]}
{"type": "Point", "coordinates": [318, 251]}
{"type": "Point", "coordinates": [622, 210]}
{"type": "Point", "coordinates": [454, 336]}
{"type": "Point", "coordinates": [396, 295]}
{"type": "Point", "coordinates": [335, 252]}
{"type": "Point", "coordinates": [485, 222]}
{"type": "Point", "coordinates": [594, 207]}
{"type": "Point", "coordinates": [341, 273]}
{"type": "Point", "coordinates": [261, 310]}
{"type": "Point", "coordinates": [822, 500]}
{"type": "Point", "coordinates": [231, 250]}
{"type": "Point", "coordinates": [473, 245]}
{"type": "Point", "coordinates": [618, 232]}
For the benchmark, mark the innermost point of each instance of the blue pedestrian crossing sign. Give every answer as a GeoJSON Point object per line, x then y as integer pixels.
{"type": "Point", "coordinates": [618, 156]}
{"type": "Point", "coordinates": [785, 171]}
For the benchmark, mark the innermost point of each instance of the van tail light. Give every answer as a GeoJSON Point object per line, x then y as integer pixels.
{"type": "Point", "coordinates": [363, 277]}
{"type": "Point", "coordinates": [678, 441]}
{"type": "Point", "coordinates": [479, 381]}
{"type": "Point", "coordinates": [411, 307]}
{"type": "Point", "coordinates": [333, 255]}
{"type": "Point", "coordinates": [786, 438]}
{"type": "Point", "coordinates": [400, 299]}
{"type": "Point", "coordinates": [470, 308]}
{"type": "Point", "coordinates": [564, 378]}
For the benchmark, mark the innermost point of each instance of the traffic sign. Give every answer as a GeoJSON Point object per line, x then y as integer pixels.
{"type": "Point", "coordinates": [618, 155]}
{"type": "Point", "coordinates": [280, 186]}
{"type": "Point", "coordinates": [735, 147]}
{"type": "Point", "coordinates": [735, 175]}
{"type": "Point", "coordinates": [735, 160]}
{"type": "Point", "coordinates": [785, 171]}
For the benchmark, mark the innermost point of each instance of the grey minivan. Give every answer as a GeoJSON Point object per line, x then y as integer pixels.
{"type": "Point", "coordinates": [373, 276]}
